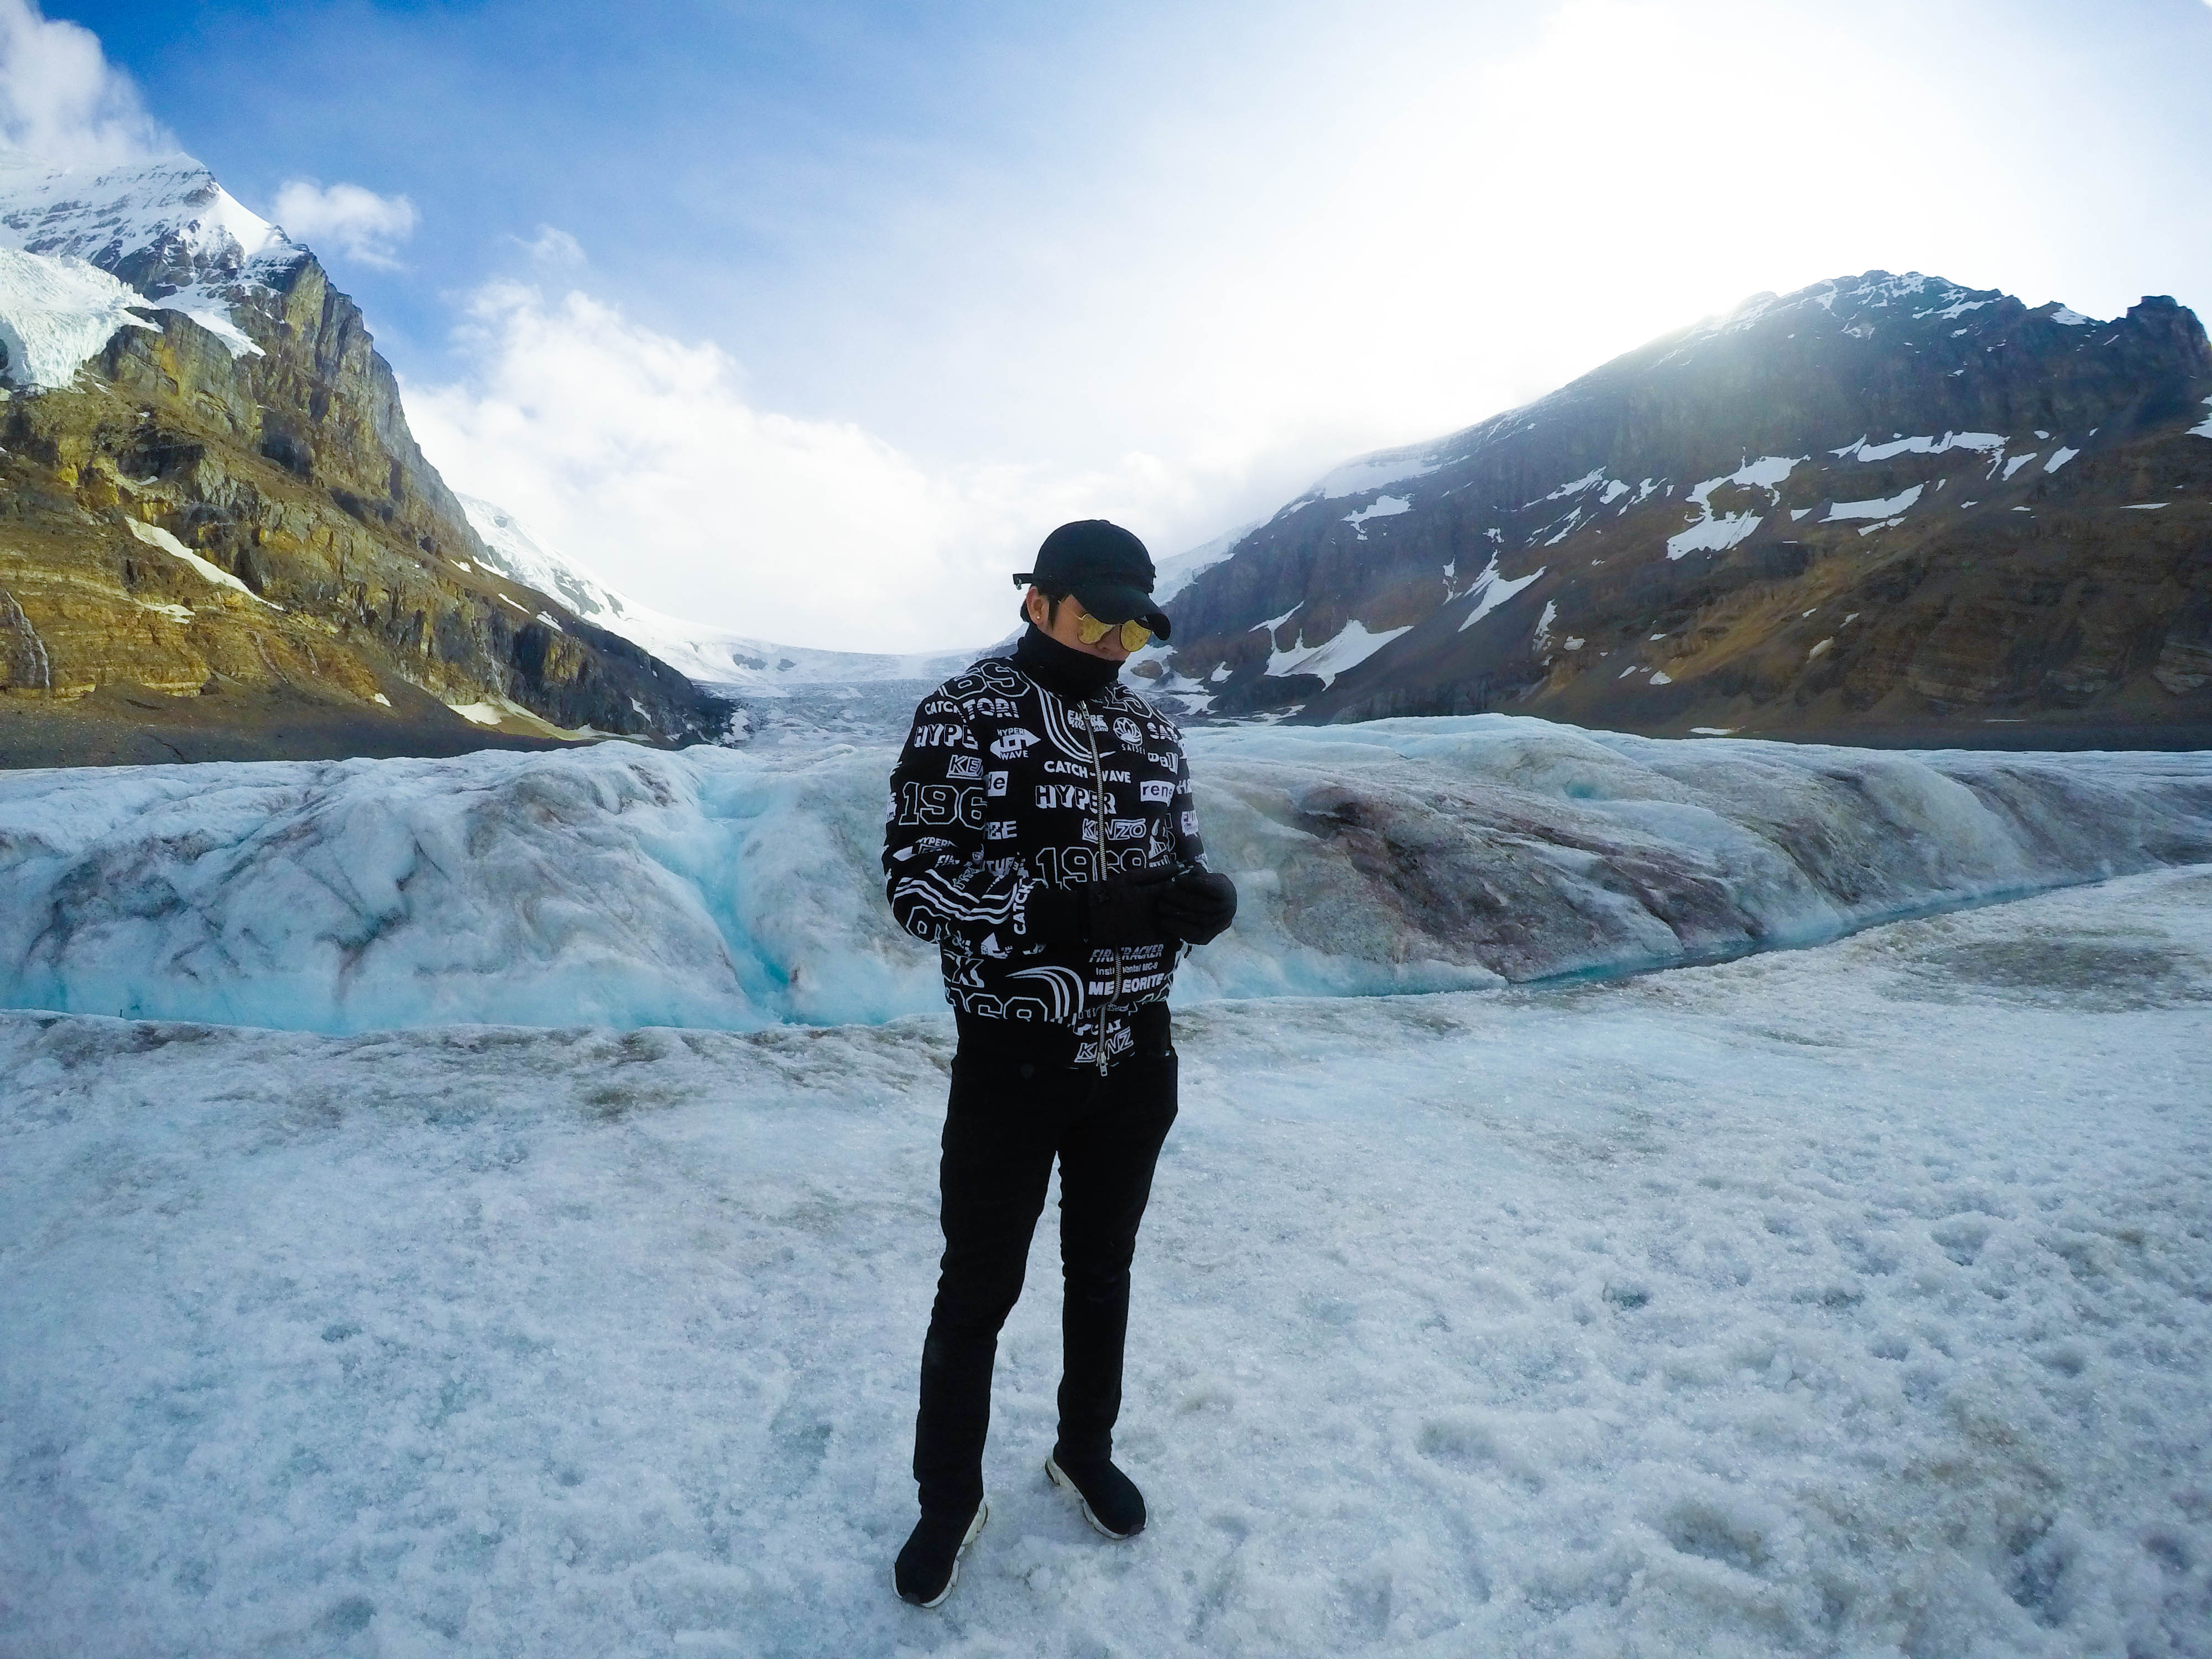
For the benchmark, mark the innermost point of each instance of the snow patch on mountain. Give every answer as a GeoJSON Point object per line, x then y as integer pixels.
{"type": "Point", "coordinates": [514, 553]}
{"type": "Point", "coordinates": [1575, 486]}
{"type": "Point", "coordinates": [1987, 442]}
{"type": "Point", "coordinates": [1347, 649]}
{"type": "Point", "coordinates": [1382, 506]}
{"type": "Point", "coordinates": [162, 228]}
{"type": "Point", "coordinates": [1833, 298]}
{"type": "Point", "coordinates": [1491, 590]}
{"type": "Point", "coordinates": [213, 315]}
{"type": "Point", "coordinates": [1848, 300]}
{"type": "Point", "coordinates": [1370, 472]}
{"type": "Point", "coordinates": [55, 312]}
{"type": "Point", "coordinates": [1956, 309]}
{"type": "Point", "coordinates": [1712, 532]}
{"type": "Point", "coordinates": [1171, 575]}
{"type": "Point", "coordinates": [2203, 429]}
{"type": "Point", "coordinates": [154, 536]}
{"type": "Point", "coordinates": [1765, 473]}
{"type": "Point", "coordinates": [1884, 509]}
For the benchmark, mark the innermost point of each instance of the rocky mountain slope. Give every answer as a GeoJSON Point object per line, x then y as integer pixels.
{"type": "Point", "coordinates": [1883, 506]}
{"type": "Point", "coordinates": [217, 535]}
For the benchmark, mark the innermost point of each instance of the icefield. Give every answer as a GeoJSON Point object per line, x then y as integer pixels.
{"type": "Point", "coordinates": [1848, 1301]}
{"type": "Point", "coordinates": [735, 890]}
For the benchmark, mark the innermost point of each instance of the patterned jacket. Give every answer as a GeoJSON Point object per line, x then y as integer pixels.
{"type": "Point", "coordinates": [1005, 787]}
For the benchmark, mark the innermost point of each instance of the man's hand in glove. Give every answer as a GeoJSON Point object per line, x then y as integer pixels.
{"type": "Point", "coordinates": [1125, 909]}
{"type": "Point", "coordinates": [1121, 910]}
{"type": "Point", "coordinates": [1197, 906]}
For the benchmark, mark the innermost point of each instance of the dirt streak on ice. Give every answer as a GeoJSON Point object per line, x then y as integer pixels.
{"type": "Point", "coordinates": [1852, 1301]}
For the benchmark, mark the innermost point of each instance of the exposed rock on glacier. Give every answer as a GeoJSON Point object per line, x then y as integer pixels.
{"type": "Point", "coordinates": [624, 887]}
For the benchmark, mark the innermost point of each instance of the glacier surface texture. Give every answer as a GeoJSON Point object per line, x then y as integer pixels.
{"type": "Point", "coordinates": [619, 886]}
{"type": "Point", "coordinates": [1850, 1301]}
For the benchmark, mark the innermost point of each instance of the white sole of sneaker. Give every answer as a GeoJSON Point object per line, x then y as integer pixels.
{"type": "Point", "coordinates": [1059, 1478]}
{"type": "Point", "coordinates": [982, 1514]}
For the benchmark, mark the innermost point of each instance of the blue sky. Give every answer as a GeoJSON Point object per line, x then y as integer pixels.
{"type": "Point", "coordinates": [842, 306]}
{"type": "Point", "coordinates": [702, 147]}
{"type": "Point", "coordinates": [767, 163]}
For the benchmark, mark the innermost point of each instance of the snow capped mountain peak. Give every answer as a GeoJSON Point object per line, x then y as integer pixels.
{"type": "Point", "coordinates": [161, 225]}
{"type": "Point", "coordinates": [1874, 302]}
{"type": "Point", "coordinates": [1846, 299]}
{"type": "Point", "coordinates": [163, 228]}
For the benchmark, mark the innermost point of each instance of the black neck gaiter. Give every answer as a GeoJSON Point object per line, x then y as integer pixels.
{"type": "Point", "coordinates": [1060, 669]}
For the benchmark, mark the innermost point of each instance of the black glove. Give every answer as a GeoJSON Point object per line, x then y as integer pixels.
{"type": "Point", "coordinates": [1121, 910]}
{"type": "Point", "coordinates": [1125, 908]}
{"type": "Point", "coordinates": [1057, 915]}
{"type": "Point", "coordinates": [1197, 906]}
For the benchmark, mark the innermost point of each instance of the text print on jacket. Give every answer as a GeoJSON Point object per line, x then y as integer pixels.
{"type": "Point", "coordinates": [1005, 787]}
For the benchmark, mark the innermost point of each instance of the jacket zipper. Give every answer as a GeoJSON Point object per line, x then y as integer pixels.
{"type": "Point", "coordinates": [1098, 803]}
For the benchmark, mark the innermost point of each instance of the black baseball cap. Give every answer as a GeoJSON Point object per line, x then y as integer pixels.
{"type": "Point", "coordinates": [1105, 567]}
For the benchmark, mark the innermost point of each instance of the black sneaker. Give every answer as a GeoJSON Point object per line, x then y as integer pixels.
{"type": "Point", "coordinates": [929, 1566]}
{"type": "Point", "coordinates": [1110, 1500]}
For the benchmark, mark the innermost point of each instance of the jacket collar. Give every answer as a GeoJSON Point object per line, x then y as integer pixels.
{"type": "Point", "coordinates": [1063, 670]}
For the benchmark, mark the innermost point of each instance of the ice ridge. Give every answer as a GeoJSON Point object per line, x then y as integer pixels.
{"type": "Point", "coordinates": [622, 887]}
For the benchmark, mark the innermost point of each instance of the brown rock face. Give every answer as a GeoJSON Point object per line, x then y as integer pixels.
{"type": "Point", "coordinates": [184, 520]}
{"type": "Point", "coordinates": [1881, 505]}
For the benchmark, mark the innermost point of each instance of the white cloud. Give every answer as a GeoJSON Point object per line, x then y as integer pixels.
{"type": "Point", "coordinates": [357, 221]}
{"type": "Point", "coordinates": [1385, 230]}
{"type": "Point", "coordinates": [553, 246]}
{"type": "Point", "coordinates": [640, 455]}
{"type": "Point", "coordinates": [62, 100]}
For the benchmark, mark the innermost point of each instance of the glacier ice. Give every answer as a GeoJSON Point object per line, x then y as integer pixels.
{"type": "Point", "coordinates": [627, 887]}
{"type": "Point", "coordinates": [56, 312]}
{"type": "Point", "coordinates": [1841, 1302]}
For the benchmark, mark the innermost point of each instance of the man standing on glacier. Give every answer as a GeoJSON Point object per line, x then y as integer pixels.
{"type": "Point", "coordinates": [1041, 833]}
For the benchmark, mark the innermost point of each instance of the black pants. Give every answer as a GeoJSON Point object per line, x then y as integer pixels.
{"type": "Point", "coordinates": [1015, 1106]}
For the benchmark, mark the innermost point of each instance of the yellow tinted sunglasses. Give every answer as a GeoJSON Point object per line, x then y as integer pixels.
{"type": "Point", "coordinates": [1090, 630]}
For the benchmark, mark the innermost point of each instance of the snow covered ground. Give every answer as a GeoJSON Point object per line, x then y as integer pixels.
{"type": "Point", "coordinates": [1854, 1301]}
{"type": "Point", "coordinates": [624, 887]}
